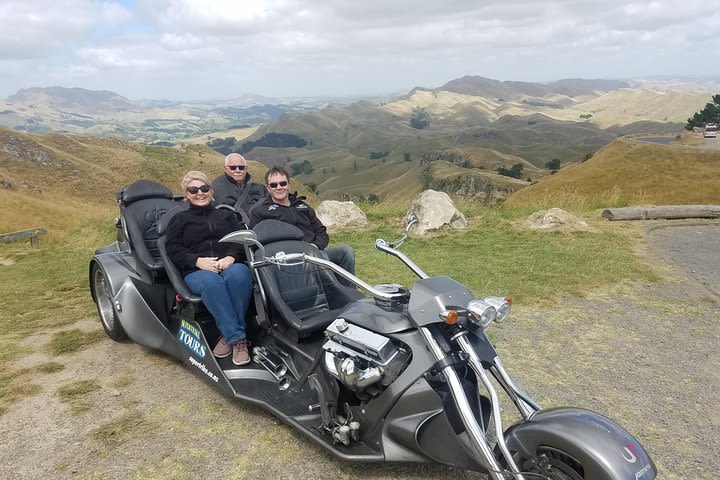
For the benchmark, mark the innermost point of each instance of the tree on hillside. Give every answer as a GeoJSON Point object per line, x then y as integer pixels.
{"type": "Point", "coordinates": [553, 165]}
{"type": "Point", "coordinates": [301, 168]}
{"type": "Point", "coordinates": [419, 118]}
{"type": "Point", "coordinates": [222, 145]}
{"type": "Point", "coordinates": [709, 114]}
{"type": "Point", "coordinates": [515, 171]}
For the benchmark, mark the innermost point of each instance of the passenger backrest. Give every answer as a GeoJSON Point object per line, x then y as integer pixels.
{"type": "Point", "coordinates": [300, 286]}
{"type": "Point", "coordinates": [307, 298]}
{"type": "Point", "coordinates": [142, 204]}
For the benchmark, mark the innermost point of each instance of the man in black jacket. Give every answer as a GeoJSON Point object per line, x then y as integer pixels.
{"type": "Point", "coordinates": [289, 208]}
{"type": "Point", "coordinates": [234, 187]}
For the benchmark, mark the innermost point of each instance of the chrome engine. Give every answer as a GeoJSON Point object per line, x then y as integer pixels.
{"type": "Point", "coordinates": [360, 359]}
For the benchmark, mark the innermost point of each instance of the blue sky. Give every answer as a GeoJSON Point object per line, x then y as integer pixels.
{"type": "Point", "coordinates": [199, 49]}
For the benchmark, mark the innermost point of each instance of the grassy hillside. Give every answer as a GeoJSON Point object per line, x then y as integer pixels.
{"type": "Point", "coordinates": [60, 181]}
{"type": "Point", "coordinates": [626, 173]}
{"type": "Point", "coordinates": [341, 142]}
{"type": "Point", "coordinates": [489, 123]}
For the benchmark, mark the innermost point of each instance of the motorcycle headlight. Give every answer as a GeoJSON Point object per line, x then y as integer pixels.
{"type": "Point", "coordinates": [481, 312]}
{"type": "Point", "coordinates": [502, 306]}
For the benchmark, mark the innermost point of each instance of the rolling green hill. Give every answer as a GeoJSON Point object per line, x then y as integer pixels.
{"type": "Point", "coordinates": [59, 181]}
{"type": "Point", "coordinates": [630, 173]}
{"type": "Point", "coordinates": [369, 150]}
{"type": "Point", "coordinates": [474, 118]}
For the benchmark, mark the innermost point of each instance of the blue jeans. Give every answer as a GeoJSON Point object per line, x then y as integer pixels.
{"type": "Point", "coordinates": [342, 256]}
{"type": "Point", "coordinates": [226, 295]}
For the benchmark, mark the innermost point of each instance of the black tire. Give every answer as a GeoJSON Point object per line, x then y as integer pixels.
{"type": "Point", "coordinates": [106, 309]}
{"type": "Point", "coordinates": [558, 465]}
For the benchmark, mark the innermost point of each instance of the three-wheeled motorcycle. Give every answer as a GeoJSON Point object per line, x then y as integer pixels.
{"type": "Point", "coordinates": [377, 373]}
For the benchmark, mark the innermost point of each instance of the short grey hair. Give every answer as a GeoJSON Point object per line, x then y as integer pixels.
{"type": "Point", "coordinates": [234, 155]}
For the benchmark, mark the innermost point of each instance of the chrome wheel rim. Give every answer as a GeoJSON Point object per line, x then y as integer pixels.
{"type": "Point", "coordinates": [103, 298]}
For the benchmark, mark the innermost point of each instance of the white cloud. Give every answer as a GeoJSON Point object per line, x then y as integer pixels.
{"type": "Point", "coordinates": [31, 29]}
{"type": "Point", "coordinates": [294, 47]}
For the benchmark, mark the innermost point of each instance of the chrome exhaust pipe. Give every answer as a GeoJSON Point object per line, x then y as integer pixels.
{"type": "Point", "coordinates": [273, 364]}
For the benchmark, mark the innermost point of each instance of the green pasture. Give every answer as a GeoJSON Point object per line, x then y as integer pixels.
{"type": "Point", "coordinates": [45, 290]}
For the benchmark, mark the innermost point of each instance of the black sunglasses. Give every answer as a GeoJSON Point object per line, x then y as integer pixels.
{"type": "Point", "coordinates": [194, 190]}
{"type": "Point", "coordinates": [276, 184]}
{"type": "Point", "coordinates": [236, 167]}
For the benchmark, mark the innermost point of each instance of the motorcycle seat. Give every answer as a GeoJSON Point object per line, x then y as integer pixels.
{"type": "Point", "coordinates": [142, 204]}
{"type": "Point", "coordinates": [307, 298]}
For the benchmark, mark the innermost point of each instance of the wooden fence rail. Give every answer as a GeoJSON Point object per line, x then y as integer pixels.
{"type": "Point", "coordinates": [33, 234]}
{"type": "Point", "coordinates": [667, 211]}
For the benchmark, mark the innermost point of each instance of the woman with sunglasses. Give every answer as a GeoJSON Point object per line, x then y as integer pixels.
{"type": "Point", "coordinates": [212, 269]}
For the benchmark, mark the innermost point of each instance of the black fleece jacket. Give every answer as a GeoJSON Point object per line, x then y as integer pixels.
{"type": "Point", "coordinates": [226, 190]}
{"type": "Point", "coordinates": [195, 232]}
{"type": "Point", "coordinates": [298, 213]}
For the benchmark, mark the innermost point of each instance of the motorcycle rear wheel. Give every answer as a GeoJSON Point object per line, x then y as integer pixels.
{"type": "Point", "coordinates": [103, 300]}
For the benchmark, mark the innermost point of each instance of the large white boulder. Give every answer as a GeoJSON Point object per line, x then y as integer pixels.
{"type": "Point", "coordinates": [556, 219]}
{"type": "Point", "coordinates": [341, 215]}
{"type": "Point", "coordinates": [435, 211]}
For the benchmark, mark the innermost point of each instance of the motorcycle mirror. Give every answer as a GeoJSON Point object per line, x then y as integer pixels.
{"type": "Point", "coordinates": [244, 237]}
{"type": "Point", "coordinates": [410, 220]}
{"type": "Point", "coordinates": [247, 238]}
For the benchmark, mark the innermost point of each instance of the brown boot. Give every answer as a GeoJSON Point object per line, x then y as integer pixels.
{"type": "Point", "coordinates": [241, 356]}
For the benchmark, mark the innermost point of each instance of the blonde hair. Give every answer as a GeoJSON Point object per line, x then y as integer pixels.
{"type": "Point", "coordinates": [195, 175]}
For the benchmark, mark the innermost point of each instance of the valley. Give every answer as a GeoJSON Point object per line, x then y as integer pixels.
{"type": "Point", "coordinates": [453, 138]}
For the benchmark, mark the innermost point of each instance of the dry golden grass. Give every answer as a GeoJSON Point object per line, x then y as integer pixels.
{"type": "Point", "coordinates": [660, 103]}
{"type": "Point", "coordinates": [60, 182]}
{"type": "Point", "coordinates": [630, 173]}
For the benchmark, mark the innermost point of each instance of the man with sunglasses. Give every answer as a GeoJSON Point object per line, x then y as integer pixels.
{"type": "Point", "coordinates": [289, 208]}
{"type": "Point", "coordinates": [234, 187]}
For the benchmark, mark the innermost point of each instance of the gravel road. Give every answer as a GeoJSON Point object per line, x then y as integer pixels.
{"type": "Point", "coordinates": [644, 354]}
{"type": "Point", "coordinates": [694, 248]}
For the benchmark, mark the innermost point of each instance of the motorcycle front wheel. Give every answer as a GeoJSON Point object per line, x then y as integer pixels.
{"type": "Point", "coordinates": [555, 464]}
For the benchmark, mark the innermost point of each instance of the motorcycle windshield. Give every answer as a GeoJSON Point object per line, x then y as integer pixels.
{"type": "Point", "coordinates": [431, 296]}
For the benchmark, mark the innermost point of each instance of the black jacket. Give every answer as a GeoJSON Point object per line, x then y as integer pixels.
{"type": "Point", "coordinates": [195, 232]}
{"type": "Point", "coordinates": [298, 213]}
{"type": "Point", "coordinates": [227, 191]}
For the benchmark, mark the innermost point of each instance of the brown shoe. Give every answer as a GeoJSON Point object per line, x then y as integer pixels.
{"type": "Point", "coordinates": [222, 349]}
{"type": "Point", "coordinates": [241, 356]}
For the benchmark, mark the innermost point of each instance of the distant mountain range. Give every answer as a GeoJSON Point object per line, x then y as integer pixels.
{"type": "Point", "coordinates": [105, 113]}
{"type": "Point", "coordinates": [369, 148]}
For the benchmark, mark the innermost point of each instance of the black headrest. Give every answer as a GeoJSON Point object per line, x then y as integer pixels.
{"type": "Point", "coordinates": [143, 189]}
{"type": "Point", "coordinates": [269, 231]}
{"type": "Point", "coordinates": [162, 224]}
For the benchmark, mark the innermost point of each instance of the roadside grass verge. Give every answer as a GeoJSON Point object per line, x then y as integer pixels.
{"type": "Point", "coordinates": [115, 432]}
{"type": "Point", "coordinates": [71, 341]}
{"type": "Point", "coordinates": [14, 385]}
{"type": "Point", "coordinates": [495, 256]}
{"type": "Point", "coordinates": [75, 394]}
{"type": "Point", "coordinates": [46, 289]}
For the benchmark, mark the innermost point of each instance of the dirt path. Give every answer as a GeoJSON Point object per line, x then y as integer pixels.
{"type": "Point", "coordinates": [643, 354]}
